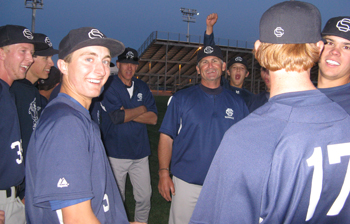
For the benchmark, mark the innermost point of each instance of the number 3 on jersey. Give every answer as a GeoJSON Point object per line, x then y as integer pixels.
{"type": "Point", "coordinates": [19, 152]}
{"type": "Point", "coordinates": [335, 152]}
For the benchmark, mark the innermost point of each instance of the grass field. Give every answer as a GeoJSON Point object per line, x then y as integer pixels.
{"type": "Point", "coordinates": [159, 206]}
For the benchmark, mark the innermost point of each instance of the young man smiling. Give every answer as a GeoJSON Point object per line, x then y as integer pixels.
{"type": "Point", "coordinates": [27, 96]}
{"type": "Point", "coordinates": [334, 64]}
{"type": "Point", "coordinates": [68, 176]}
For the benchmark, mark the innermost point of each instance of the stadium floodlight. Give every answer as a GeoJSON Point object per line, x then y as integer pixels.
{"type": "Point", "coordinates": [34, 5]}
{"type": "Point", "coordinates": [188, 16]}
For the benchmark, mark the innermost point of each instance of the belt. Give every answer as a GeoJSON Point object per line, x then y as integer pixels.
{"type": "Point", "coordinates": [9, 191]}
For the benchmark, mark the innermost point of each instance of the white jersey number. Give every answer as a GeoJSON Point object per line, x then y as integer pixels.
{"type": "Point", "coordinates": [335, 152]}
{"type": "Point", "coordinates": [19, 152]}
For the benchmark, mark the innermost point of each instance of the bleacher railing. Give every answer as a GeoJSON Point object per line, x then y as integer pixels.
{"type": "Point", "coordinates": [182, 38]}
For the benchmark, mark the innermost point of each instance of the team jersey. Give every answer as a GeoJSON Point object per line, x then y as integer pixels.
{"type": "Point", "coordinates": [340, 95]}
{"type": "Point", "coordinates": [11, 158]}
{"type": "Point", "coordinates": [196, 121]}
{"type": "Point", "coordinates": [66, 160]}
{"type": "Point", "coordinates": [258, 100]}
{"type": "Point", "coordinates": [127, 140]}
{"type": "Point", "coordinates": [287, 162]}
{"type": "Point", "coordinates": [29, 106]}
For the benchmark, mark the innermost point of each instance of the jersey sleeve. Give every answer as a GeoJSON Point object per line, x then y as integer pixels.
{"type": "Point", "coordinates": [171, 121]}
{"type": "Point", "coordinates": [209, 39]}
{"type": "Point", "coordinates": [63, 162]}
{"type": "Point", "coordinates": [111, 100]}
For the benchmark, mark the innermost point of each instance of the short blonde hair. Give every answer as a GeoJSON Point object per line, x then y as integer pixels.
{"type": "Point", "coordinates": [291, 57]}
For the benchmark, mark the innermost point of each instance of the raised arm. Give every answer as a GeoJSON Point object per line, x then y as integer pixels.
{"type": "Point", "coordinates": [211, 20]}
{"type": "Point", "coordinates": [208, 34]}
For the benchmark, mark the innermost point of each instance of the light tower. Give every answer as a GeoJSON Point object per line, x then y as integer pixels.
{"type": "Point", "coordinates": [34, 5]}
{"type": "Point", "coordinates": [188, 16]}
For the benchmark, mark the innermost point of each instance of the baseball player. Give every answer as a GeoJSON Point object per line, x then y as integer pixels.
{"type": "Point", "coordinates": [68, 176]}
{"type": "Point", "coordinates": [46, 86]}
{"type": "Point", "coordinates": [16, 49]}
{"type": "Point", "coordinates": [27, 97]}
{"type": "Point", "coordinates": [287, 162]}
{"type": "Point", "coordinates": [237, 67]}
{"type": "Point", "coordinates": [334, 64]}
{"type": "Point", "coordinates": [192, 128]}
{"type": "Point", "coordinates": [128, 106]}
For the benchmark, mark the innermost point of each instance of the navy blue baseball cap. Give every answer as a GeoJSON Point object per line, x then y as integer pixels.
{"type": "Point", "coordinates": [291, 22]}
{"type": "Point", "coordinates": [85, 37]}
{"type": "Point", "coordinates": [14, 34]}
{"type": "Point", "coordinates": [237, 59]}
{"type": "Point", "coordinates": [130, 55]}
{"type": "Point", "coordinates": [209, 51]}
{"type": "Point", "coordinates": [338, 26]}
{"type": "Point", "coordinates": [46, 40]}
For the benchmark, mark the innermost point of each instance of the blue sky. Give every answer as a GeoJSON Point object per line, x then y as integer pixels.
{"type": "Point", "coordinates": [132, 21]}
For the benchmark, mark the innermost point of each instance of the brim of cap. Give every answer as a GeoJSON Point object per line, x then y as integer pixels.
{"type": "Point", "coordinates": [236, 62]}
{"type": "Point", "coordinates": [115, 47]}
{"type": "Point", "coordinates": [334, 34]}
{"type": "Point", "coordinates": [47, 52]}
{"type": "Point", "coordinates": [128, 61]}
{"type": "Point", "coordinates": [37, 45]}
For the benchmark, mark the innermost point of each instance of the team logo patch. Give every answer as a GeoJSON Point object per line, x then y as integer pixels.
{"type": "Point", "coordinates": [344, 25]}
{"type": "Point", "coordinates": [62, 183]}
{"type": "Point", "coordinates": [139, 97]}
{"type": "Point", "coordinates": [48, 41]}
{"type": "Point", "coordinates": [129, 55]}
{"type": "Point", "coordinates": [238, 58]}
{"type": "Point", "coordinates": [28, 34]}
{"type": "Point", "coordinates": [279, 32]}
{"type": "Point", "coordinates": [208, 50]}
{"type": "Point", "coordinates": [95, 33]}
{"type": "Point", "coordinates": [229, 113]}
{"type": "Point", "coordinates": [34, 112]}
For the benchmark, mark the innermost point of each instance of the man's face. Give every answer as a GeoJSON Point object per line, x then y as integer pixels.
{"type": "Point", "coordinates": [126, 72]}
{"type": "Point", "coordinates": [334, 62]}
{"type": "Point", "coordinates": [210, 68]}
{"type": "Point", "coordinates": [237, 72]}
{"type": "Point", "coordinates": [87, 72]}
{"type": "Point", "coordinates": [40, 69]}
{"type": "Point", "coordinates": [266, 77]}
{"type": "Point", "coordinates": [17, 60]}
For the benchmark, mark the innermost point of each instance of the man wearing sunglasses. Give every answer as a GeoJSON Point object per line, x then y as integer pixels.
{"type": "Point", "coordinates": [127, 106]}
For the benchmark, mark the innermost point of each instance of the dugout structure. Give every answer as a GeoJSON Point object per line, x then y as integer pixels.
{"type": "Point", "coordinates": [168, 62]}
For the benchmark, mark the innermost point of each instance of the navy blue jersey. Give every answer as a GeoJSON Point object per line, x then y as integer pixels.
{"type": "Point", "coordinates": [258, 100]}
{"type": "Point", "coordinates": [196, 121]}
{"type": "Point", "coordinates": [127, 140]}
{"type": "Point", "coordinates": [287, 162]}
{"type": "Point", "coordinates": [11, 158]}
{"type": "Point", "coordinates": [340, 95]}
{"type": "Point", "coordinates": [55, 92]}
{"type": "Point", "coordinates": [66, 160]}
{"type": "Point", "coordinates": [29, 106]}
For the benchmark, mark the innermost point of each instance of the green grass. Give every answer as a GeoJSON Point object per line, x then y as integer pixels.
{"type": "Point", "coordinates": [159, 206]}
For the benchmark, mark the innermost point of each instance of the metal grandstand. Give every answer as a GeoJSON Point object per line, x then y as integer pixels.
{"type": "Point", "coordinates": [168, 61]}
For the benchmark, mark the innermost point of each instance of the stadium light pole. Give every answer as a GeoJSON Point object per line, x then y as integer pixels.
{"type": "Point", "coordinates": [188, 16]}
{"type": "Point", "coordinates": [34, 5]}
